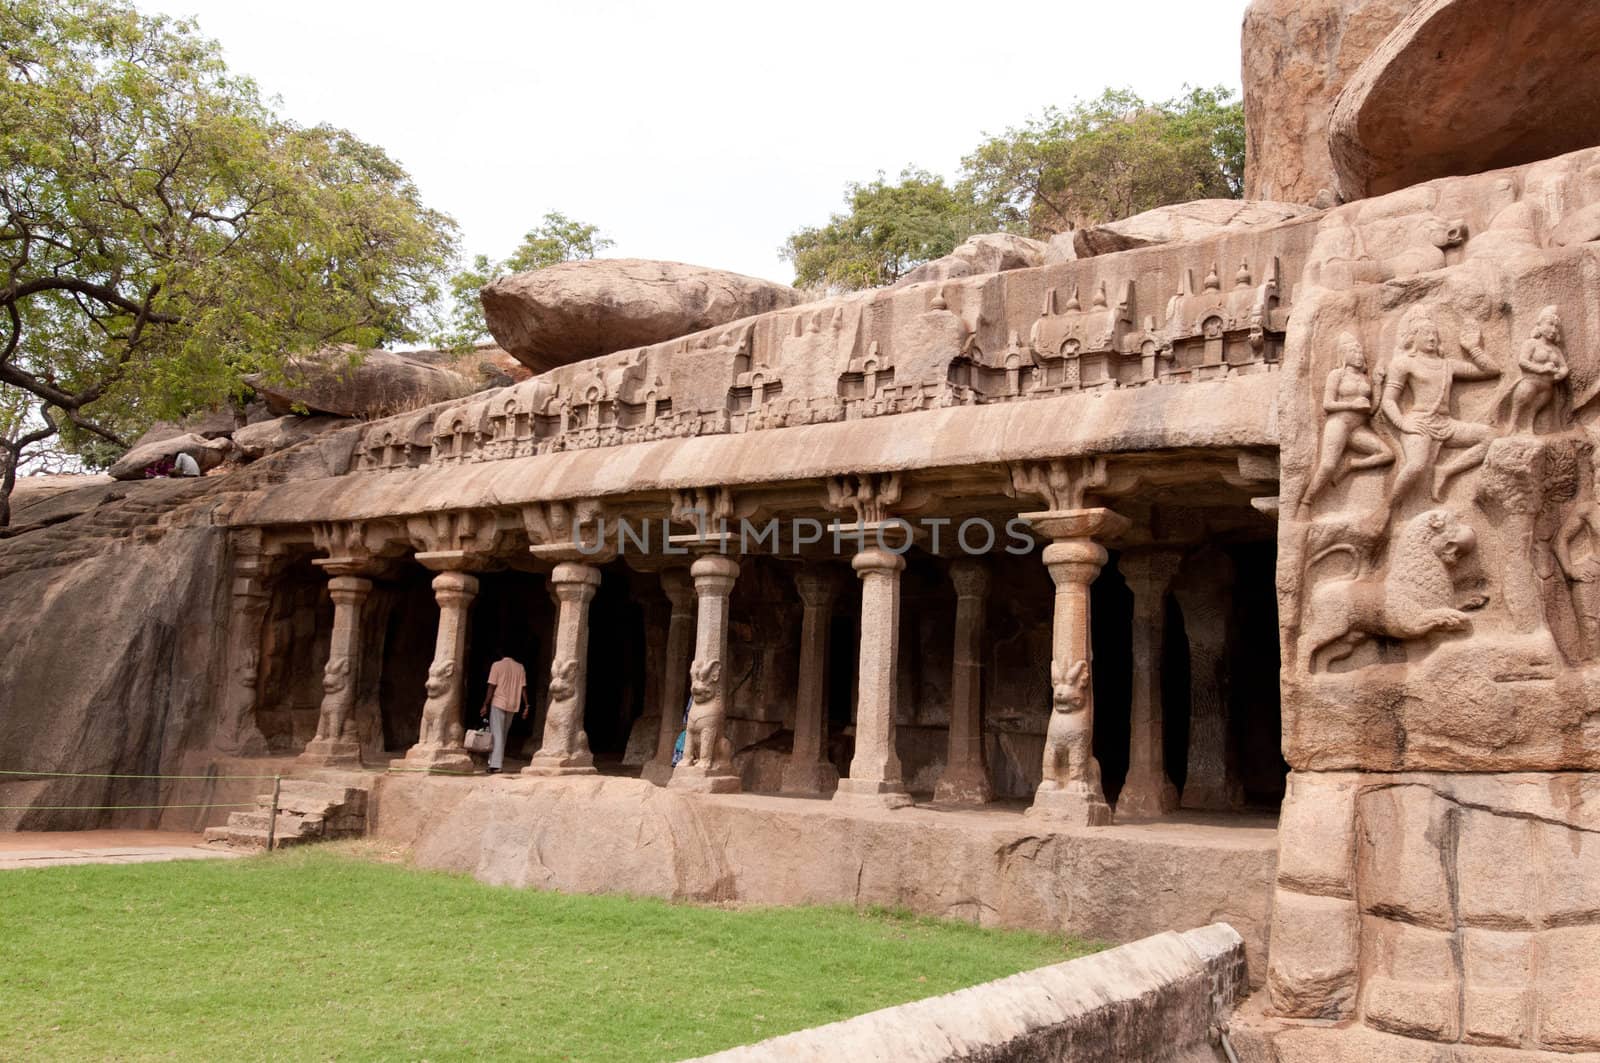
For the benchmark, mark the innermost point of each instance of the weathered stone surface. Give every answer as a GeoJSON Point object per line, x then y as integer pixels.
{"type": "Point", "coordinates": [380, 384]}
{"type": "Point", "coordinates": [207, 453]}
{"type": "Point", "coordinates": [1195, 220]}
{"type": "Point", "coordinates": [1463, 86]}
{"type": "Point", "coordinates": [774, 850]}
{"type": "Point", "coordinates": [575, 310]}
{"type": "Point", "coordinates": [1159, 998]}
{"type": "Point", "coordinates": [280, 433]}
{"type": "Point", "coordinates": [34, 489]}
{"type": "Point", "coordinates": [1298, 55]}
{"type": "Point", "coordinates": [1315, 955]}
{"type": "Point", "coordinates": [989, 253]}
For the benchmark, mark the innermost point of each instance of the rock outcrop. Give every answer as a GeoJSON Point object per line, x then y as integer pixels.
{"type": "Point", "coordinates": [374, 384]}
{"type": "Point", "coordinates": [989, 253]}
{"type": "Point", "coordinates": [1463, 86]}
{"type": "Point", "coordinates": [575, 310]}
{"type": "Point", "coordinates": [207, 453]}
{"type": "Point", "coordinates": [1298, 55]}
{"type": "Point", "coordinates": [1180, 221]}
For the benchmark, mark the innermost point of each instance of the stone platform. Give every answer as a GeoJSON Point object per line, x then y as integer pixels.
{"type": "Point", "coordinates": [993, 866]}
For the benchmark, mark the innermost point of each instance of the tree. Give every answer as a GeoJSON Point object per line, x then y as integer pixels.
{"type": "Point", "coordinates": [556, 239]}
{"type": "Point", "coordinates": [889, 230]}
{"type": "Point", "coordinates": [163, 233]}
{"type": "Point", "coordinates": [1108, 158]}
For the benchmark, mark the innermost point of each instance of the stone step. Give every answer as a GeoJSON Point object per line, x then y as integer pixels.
{"type": "Point", "coordinates": [288, 823]}
{"type": "Point", "coordinates": [242, 838]}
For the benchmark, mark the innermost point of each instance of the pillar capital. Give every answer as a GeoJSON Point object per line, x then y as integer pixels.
{"type": "Point", "coordinates": [1075, 561]}
{"type": "Point", "coordinates": [454, 588]}
{"type": "Point", "coordinates": [678, 586]}
{"type": "Point", "coordinates": [351, 590]}
{"type": "Point", "coordinates": [574, 581]}
{"type": "Point", "coordinates": [1096, 523]}
{"type": "Point", "coordinates": [817, 585]}
{"type": "Point", "coordinates": [714, 573]}
{"type": "Point", "coordinates": [970, 577]}
{"type": "Point", "coordinates": [876, 561]}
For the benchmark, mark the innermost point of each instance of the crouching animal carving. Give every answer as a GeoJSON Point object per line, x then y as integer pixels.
{"type": "Point", "coordinates": [333, 720]}
{"type": "Point", "coordinates": [561, 719]}
{"type": "Point", "coordinates": [707, 715]}
{"type": "Point", "coordinates": [441, 706]}
{"type": "Point", "coordinates": [1068, 753]}
{"type": "Point", "coordinates": [1414, 598]}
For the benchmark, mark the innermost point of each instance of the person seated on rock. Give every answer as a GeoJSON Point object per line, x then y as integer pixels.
{"type": "Point", "coordinates": [508, 691]}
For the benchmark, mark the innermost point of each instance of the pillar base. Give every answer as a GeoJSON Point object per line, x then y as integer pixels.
{"type": "Point", "coordinates": [658, 772]}
{"type": "Point", "coordinates": [331, 753]}
{"type": "Point", "coordinates": [446, 760]}
{"type": "Point", "coordinates": [874, 792]}
{"type": "Point", "coordinates": [1070, 808]}
{"type": "Point", "coordinates": [963, 787]}
{"type": "Point", "coordinates": [1145, 797]}
{"type": "Point", "coordinates": [550, 765]}
{"type": "Point", "coordinates": [813, 778]}
{"type": "Point", "coordinates": [700, 780]}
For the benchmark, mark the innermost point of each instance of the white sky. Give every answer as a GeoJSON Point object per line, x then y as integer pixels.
{"type": "Point", "coordinates": [703, 132]}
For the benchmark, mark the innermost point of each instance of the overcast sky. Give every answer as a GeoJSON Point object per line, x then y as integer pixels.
{"type": "Point", "coordinates": [700, 132]}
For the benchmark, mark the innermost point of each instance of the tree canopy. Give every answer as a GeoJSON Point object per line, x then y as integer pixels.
{"type": "Point", "coordinates": [163, 232]}
{"type": "Point", "coordinates": [557, 238]}
{"type": "Point", "coordinates": [1098, 160]}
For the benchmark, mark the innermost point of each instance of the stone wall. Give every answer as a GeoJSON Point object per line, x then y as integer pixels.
{"type": "Point", "coordinates": [602, 835]}
{"type": "Point", "coordinates": [1161, 998]}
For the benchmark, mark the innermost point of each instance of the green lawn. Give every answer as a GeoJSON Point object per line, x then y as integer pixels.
{"type": "Point", "coordinates": [320, 954]}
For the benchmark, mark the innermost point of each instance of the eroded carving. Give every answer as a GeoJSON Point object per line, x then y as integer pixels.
{"type": "Point", "coordinates": [1068, 756]}
{"type": "Point", "coordinates": [705, 744]}
{"type": "Point", "coordinates": [1347, 404]}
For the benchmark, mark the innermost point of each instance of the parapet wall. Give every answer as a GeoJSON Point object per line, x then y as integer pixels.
{"type": "Point", "coordinates": [1162, 998]}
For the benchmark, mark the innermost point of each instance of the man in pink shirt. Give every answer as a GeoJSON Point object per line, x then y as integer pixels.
{"type": "Point", "coordinates": [508, 691]}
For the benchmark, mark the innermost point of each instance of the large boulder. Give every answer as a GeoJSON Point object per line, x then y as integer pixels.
{"type": "Point", "coordinates": [207, 453]}
{"type": "Point", "coordinates": [989, 253]}
{"type": "Point", "coordinates": [1195, 220]}
{"type": "Point", "coordinates": [1298, 55]}
{"type": "Point", "coordinates": [576, 310]}
{"type": "Point", "coordinates": [268, 437]}
{"type": "Point", "coordinates": [1464, 86]}
{"type": "Point", "coordinates": [350, 383]}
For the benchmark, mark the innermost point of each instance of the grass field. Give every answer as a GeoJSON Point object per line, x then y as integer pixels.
{"type": "Point", "coordinates": [315, 954]}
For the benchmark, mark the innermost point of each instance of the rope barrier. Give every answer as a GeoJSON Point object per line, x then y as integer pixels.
{"type": "Point", "coordinates": [108, 808]}
{"type": "Point", "coordinates": [96, 775]}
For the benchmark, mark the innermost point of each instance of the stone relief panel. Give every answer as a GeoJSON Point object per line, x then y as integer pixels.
{"type": "Point", "coordinates": [1173, 314]}
{"type": "Point", "coordinates": [1438, 492]}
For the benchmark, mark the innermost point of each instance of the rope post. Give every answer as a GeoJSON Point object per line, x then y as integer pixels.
{"type": "Point", "coordinates": [272, 817]}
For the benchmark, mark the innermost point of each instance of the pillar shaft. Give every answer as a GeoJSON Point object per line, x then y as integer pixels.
{"type": "Point", "coordinates": [237, 732]}
{"type": "Point", "coordinates": [965, 779]}
{"type": "Point", "coordinates": [808, 770]}
{"type": "Point", "coordinates": [336, 741]}
{"type": "Point", "coordinates": [1069, 791]}
{"type": "Point", "coordinates": [1148, 791]}
{"type": "Point", "coordinates": [1205, 594]}
{"type": "Point", "coordinates": [679, 589]}
{"type": "Point", "coordinates": [565, 748]}
{"type": "Point", "coordinates": [707, 763]}
{"type": "Point", "coordinates": [439, 746]}
{"type": "Point", "coordinates": [875, 768]}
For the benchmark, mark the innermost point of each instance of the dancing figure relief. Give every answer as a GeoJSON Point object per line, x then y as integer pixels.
{"type": "Point", "coordinates": [1347, 402]}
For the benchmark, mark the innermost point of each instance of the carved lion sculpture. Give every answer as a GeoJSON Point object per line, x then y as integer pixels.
{"type": "Point", "coordinates": [561, 720]}
{"type": "Point", "coordinates": [707, 714]}
{"type": "Point", "coordinates": [441, 690]}
{"type": "Point", "coordinates": [1414, 598]}
{"type": "Point", "coordinates": [331, 723]}
{"type": "Point", "coordinates": [1067, 754]}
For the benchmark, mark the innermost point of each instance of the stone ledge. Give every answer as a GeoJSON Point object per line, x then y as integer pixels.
{"type": "Point", "coordinates": [1157, 998]}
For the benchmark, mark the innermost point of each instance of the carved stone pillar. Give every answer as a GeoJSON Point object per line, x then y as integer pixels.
{"type": "Point", "coordinates": [808, 770]}
{"type": "Point", "coordinates": [1070, 790]}
{"type": "Point", "coordinates": [237, 733]}
{"type": "Point", "coordinates": [875, 768]}
{"type": "Point", "coordinates": [565, 749]}
{"type": "Point", "coordinates": [1205, 594]}
{"type": "Point", "coordinates": [707, 763]}
{"type": "Point", "coordinates": [1148, 791]}
{"type": "Point", "coordinates": [439, 746]}
{"type": "Point", "coordinates": [336, 743]}
{"type": "Point", "coordinates": [965, 779]}
{"type": "Point", "coordinates": [679, 589]}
